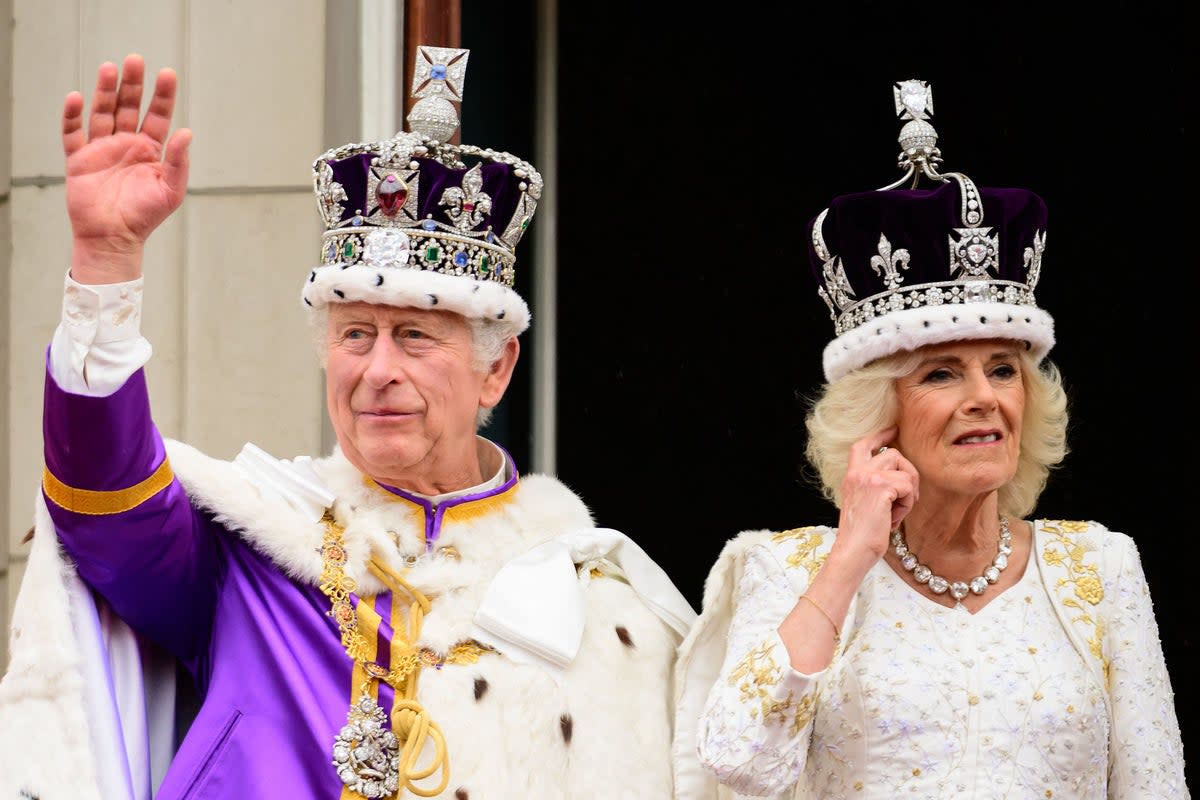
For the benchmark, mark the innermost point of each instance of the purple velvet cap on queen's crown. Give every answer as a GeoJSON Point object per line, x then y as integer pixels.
{"type": "Point", "coordinates": [903, 268]}
{"type": "Point", "coordinates": [415, 221]}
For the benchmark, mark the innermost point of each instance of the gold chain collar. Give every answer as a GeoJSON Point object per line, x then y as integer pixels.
{"type": "Point", "coordinates": [371, 760]}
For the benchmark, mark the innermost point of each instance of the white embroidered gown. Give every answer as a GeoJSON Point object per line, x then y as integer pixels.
{"type": "Point", "coordinates": [926, 701]}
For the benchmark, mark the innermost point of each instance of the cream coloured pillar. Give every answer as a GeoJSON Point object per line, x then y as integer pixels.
{"type": "Point", "coordinates": [232, 359]}
{"type": "Point", "coordinates": [6, 543]}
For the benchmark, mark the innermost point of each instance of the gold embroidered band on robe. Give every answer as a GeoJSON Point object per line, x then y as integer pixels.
{"type": "Point", "coordinates": [1074, 565]}
{"type": "Point", "coordinates": [372, 761]}
{"type": "Point", "coordinates": [98, 503]}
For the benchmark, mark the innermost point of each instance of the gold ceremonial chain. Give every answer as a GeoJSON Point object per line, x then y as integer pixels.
{"type": "Point", "coordinates": [370, 759]}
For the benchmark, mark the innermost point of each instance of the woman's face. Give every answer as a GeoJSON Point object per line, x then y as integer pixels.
{"type": "Point", "coordinates": [960, 415]}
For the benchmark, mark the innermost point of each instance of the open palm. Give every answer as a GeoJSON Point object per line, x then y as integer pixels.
{"type": "Point", "coordinates": [122, 179]}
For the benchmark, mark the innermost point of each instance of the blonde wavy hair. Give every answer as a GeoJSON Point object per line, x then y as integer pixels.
{"type": "Point", "coordinates": [865, 401]}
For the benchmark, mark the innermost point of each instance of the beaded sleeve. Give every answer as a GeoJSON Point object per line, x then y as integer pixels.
{"type": "Point", "coordinates": [757, 722]}
{"type": "Point", "coordinates": [1145, 748]}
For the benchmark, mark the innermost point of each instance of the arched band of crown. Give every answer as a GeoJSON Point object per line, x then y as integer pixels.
{"type": "Point", "coordinates": [444, 253]}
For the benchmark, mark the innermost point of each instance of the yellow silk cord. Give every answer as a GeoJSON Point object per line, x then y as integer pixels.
{"type": "Point", "coordinates": [410, 722]}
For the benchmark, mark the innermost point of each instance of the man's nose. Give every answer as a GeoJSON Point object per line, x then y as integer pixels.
{"type": "Point", "coordinates": [385, 363]}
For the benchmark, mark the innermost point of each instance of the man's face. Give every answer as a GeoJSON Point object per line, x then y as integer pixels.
{"type": "Point", "coordinates": [402, 393]}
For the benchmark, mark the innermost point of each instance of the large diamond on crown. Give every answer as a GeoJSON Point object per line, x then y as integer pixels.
{"type": "Point", "coordinates": [386, 247]}
{"type": "Point", "coordinates": [914, 97]}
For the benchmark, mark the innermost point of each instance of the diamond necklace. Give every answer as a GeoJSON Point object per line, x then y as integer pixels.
{"type": "Point", "coordinates": [958, 589]}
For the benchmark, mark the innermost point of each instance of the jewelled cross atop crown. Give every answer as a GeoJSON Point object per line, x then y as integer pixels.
{"type": "Point", "coordinates": [416, 220]}
{"type": "Point", "coordinates": [901, 268]}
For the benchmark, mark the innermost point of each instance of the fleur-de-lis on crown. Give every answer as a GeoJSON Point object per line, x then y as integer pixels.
{"type": "Point", "coordinates": [330, 195]}
{"type": "Point", "coordinates": [888, 264]}
{"type": "Point", "coordinates": [838, 285]}
{"type": "Point", "coordinates": [467, 206]}
{"type": "Point", "coordinates": [1033, 260]}
{"type": "Point", "coordinates": [837, 292]}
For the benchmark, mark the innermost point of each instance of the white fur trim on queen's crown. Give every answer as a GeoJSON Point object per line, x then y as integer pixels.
{"type": "Point", "coordinates": [916, 327]}
{"type": "Point", "coordinates": [416, 288]}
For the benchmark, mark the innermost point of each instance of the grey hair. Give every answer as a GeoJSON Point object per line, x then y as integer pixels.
{"type": "Point", "coordinates": [488, 338]}
{"type": "Point", "coordinates": [865, 401]}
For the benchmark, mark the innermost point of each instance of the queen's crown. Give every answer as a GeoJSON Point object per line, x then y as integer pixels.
{"type": "Point", "coordinates": [882, 251]}
{"type": "Point", "coordinates": [902, 266]}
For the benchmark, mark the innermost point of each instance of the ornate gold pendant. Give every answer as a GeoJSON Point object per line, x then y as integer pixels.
{"type": "Point", "coordinates": [365, 753]}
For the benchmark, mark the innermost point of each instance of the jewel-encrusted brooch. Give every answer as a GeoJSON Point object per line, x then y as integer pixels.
{"type": "Point", "coordinates": [367, 754]}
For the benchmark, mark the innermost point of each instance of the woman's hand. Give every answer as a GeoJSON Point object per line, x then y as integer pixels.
{"type": "Point", "coordinates": [122, 179]}
{"type": "Point", "coordinates": [878, 491]}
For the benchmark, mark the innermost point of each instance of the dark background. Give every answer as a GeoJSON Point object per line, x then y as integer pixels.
{"type": "Point", "coordinates": [694, 147]}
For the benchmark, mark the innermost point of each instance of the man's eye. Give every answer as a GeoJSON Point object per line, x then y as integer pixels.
{"type": "Point", "coordinates": [355, 333]}
{"type": "Point", "coordinates": [412, 334]}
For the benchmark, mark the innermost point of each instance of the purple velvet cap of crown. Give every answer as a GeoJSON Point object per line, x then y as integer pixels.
{"type": "Point", "coordinates": [499, 183]}
{"type": "Point", "coordinates": [921, 221]}
{"type": "Point", "coordinates": [910, 235]}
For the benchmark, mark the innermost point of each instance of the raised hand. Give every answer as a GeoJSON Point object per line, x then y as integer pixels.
{"type": "Point", "coordinates": [122, 179]}
{"type": "Point", "coordinates": [877, 492]}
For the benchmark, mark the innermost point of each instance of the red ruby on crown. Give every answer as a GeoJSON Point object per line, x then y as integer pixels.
{"type": "Point", "coordinates": [390, 194]}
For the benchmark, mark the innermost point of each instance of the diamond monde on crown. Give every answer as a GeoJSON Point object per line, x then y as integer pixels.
{"type": "Point", "coordinates": [918, 139]}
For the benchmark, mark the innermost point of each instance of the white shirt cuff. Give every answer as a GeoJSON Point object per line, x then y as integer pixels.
{"type": "Point", "coordinates": [98, 344]}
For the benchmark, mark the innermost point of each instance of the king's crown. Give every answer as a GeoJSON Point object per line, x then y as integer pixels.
{"type": "Point", "coordinates": [417, 201]}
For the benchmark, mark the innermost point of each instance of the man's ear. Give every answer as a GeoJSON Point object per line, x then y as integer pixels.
{"type": "Point", "coordinates": [499, 375]}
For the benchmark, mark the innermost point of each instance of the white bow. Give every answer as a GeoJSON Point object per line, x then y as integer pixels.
{"type": "Point", "coordinates": [295, 481]}
{"type": "Point", "coordinates": [533, 610]}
